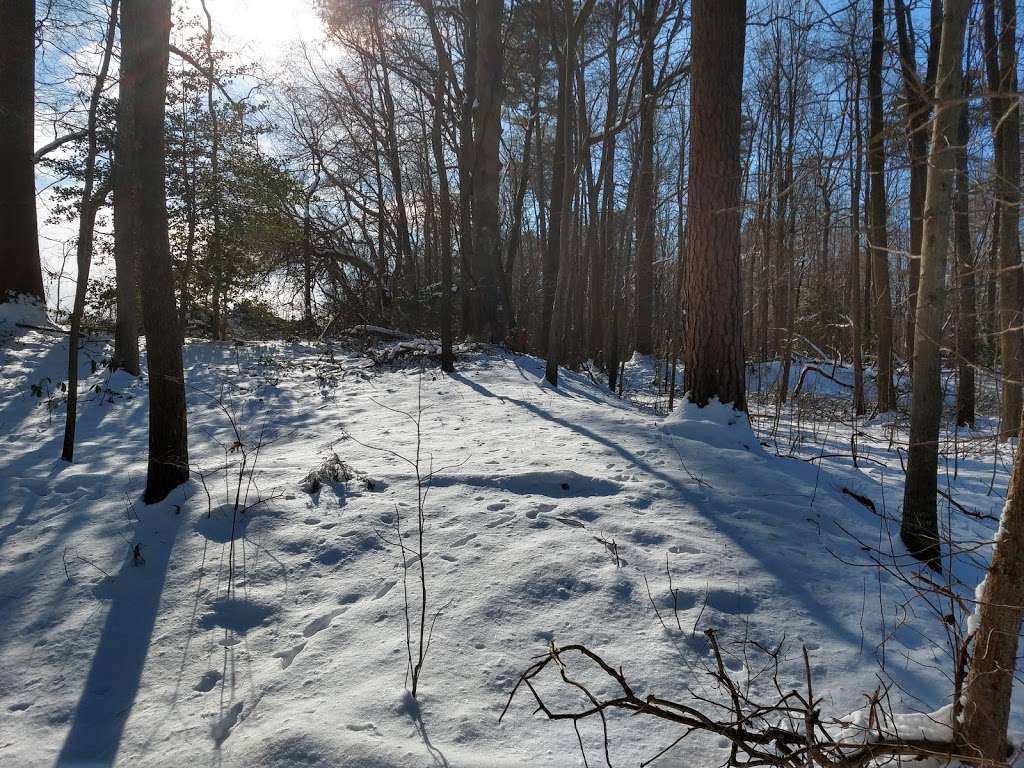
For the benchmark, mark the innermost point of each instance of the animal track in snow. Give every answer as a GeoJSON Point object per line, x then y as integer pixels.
{"type": "Point", "coordinates": [321, 623]}
{"type": "Point", "coordinates": [386, 587]}
{"type": "Point", "coordinates": [541, 509]}
{"type": "Point", "coordinates": [501, 520]}
{"type": "Point", "coordinates": [207, 681]}
{"type": "Point", "coordinates": [288, 655]}
{"type": "Point", "coordinates": [222, 728]}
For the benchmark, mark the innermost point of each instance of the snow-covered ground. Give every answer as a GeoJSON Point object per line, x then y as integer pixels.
{"type": "Point", "coordinates": [552, 515]}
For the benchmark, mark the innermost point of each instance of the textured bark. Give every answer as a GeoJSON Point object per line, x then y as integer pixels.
{"type": "Point", "coordinates": [490, 311]}
{"type": "Point", "coordinates": [920, 527]}
{"type": "Point", "coordinates": [713, 352]}
{"type": "Point", "coordinates": [877, 233]}
{"type": "Point", "coordinates": [145, 29]}
{"type": "Point", "coordinates": [20, 269]}
{"type": "Point", "coordinates": [986, 698]}
{"type": "Point", "coordinates": [126, 220]}
{"type": "Point", "coordinates": [645, 201]}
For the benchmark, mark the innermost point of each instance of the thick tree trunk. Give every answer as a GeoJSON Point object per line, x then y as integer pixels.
{"type": "Point", "coordinates": [713, 352]}
{"type": "Point", "coordinates": [145, 30]}
{"type": "Point", "coordinates": [490, 311]}
{"type": "Point", "coordinates": [19, 242]}
{"type": "Point", "coordinates": [125, 181]}
{"type": "Point", "coordinates": [920, 527]}
{"type": "Point", "coordinates": [878, 236]}
{"type": "Point", "coordinates": [995, 628]}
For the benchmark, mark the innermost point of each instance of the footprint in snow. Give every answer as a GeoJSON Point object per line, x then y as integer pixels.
{"type": "Point", "coordinates": [288, 655]}
{"type": "Point", "coordinates": [386, 587]}
{"type": "Point", "coordinates": [541, 509]}
{"type": "Point", "coordinates": [321, 623]}
{"type": "Point", "coordinates": [207, 681]}
{"type": "Point", "coordinates": [500, 520]}
{"type": "Point", "coordinates": [222, 728]}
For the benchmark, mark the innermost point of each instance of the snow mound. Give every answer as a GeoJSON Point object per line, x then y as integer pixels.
{"type": "Point", "coordinates": [717, 424]}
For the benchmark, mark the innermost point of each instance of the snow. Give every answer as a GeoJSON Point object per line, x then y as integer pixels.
{"type": "Point", "coordinates": [151, 660]}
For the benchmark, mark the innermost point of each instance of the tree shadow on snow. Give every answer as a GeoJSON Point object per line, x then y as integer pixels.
{"type": "Point", "coordinates": [114, 678]}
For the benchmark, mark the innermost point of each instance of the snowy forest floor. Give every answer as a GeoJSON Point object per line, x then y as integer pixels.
{"type": "Point", "coordinates": [120, 641]}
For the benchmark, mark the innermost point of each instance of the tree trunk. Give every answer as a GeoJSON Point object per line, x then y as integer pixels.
{"type": "Point", "coordinates": [19, 242]}
{"type": "Point", "coordinates": [1011, 340]}
{"type": "Point", "coordinates": [145, 30]}
{"type": "Point", "coordinates": [920, 527]}
{"type": "Point", "coordinates": [713, 352]}
{"type": "Point", "coordinates": [490, 312]}
{"type": "Point", "coordinates": [995, 628]}
{"type": "Point", "coordinates": [126, 221]}
{"type": "Point", "coordinates": [882, 298]}
{"type": "Point", "coordinates": [646, 203]}
{"type": "Point", "coordinates": [467, 150]}
{"type": "Point", "coordinates": [967, 305]}
{"type": "Point", "coordinates": [444, 193]}
{"type": "Point", "coordinates": [856, 315]}
{"type": "Point", "coordinates": [917, 95]}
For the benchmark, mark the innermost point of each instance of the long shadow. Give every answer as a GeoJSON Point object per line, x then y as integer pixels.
{"type": "Point", "coordinates": [413, 708]}
{"type": "Point", "coordinates": [116, 672]}
{"type": "Point", "coordinates": [763, 554]}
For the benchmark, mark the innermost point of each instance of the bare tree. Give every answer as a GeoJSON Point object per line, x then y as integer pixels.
{"type": "Point", "coordinates": [92, 199]}
{"type": "Point", "coordinates": [646, 204]}
{"type": "Point", "coordinates": [920, 526]}
{"type": "Point", "coordinates": [145, 30]}
{"type": "Point", "coordinates": [713, 351]}
{"type": "Point", "coordinates": [995, 629]}
{"type": "Point", "coordinates": [878, 214]}
{"type": "Point", "coordinates": [1001, 68]}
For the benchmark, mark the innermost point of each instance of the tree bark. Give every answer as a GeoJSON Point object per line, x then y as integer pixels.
{"type": "Point", "coordinates": [856, 315]}
{"type": "Point", "coordinates": [995, 628]}
{"type": "Point", "coordinates": [22, 271]}
{"type": "Point", "coordinates": [145, 31]}
{"type": "Point", "coordinates": [713, 353]}
{"type": "Point", "coordinates": [920, 527]}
